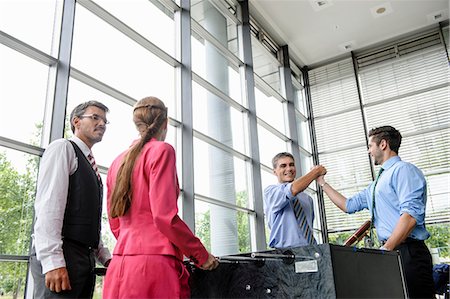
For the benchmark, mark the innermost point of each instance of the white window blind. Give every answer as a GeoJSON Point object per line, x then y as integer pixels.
{"type": "Point", "coordinates": [405, 85]}
{"type": "Point", "coordinates": [340, 137]}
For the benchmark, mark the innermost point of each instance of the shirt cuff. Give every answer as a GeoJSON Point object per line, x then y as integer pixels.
{"type": "Point", "coordinates": [53, 262]}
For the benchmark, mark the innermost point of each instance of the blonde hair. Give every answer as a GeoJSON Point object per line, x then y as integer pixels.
{"type": "Point", "coordinates": [149, 115]}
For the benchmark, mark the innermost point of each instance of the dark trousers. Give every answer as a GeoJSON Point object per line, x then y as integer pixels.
{"type": "Point", "coordinates": [418, 269]}
{"type": "Point", "coordinates": [80, 262]}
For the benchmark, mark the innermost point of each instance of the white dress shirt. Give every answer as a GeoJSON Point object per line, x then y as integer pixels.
{"type": "Point", "coordinates": [58, 162]}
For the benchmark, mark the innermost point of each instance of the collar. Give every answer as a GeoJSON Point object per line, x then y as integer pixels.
{"type": "Point", "coordinates": [390, 162]}
{"type": "Point", "coordinates": [83, 147]}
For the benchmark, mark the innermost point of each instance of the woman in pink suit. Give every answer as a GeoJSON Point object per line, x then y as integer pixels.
{"type": "Point", "coordinates": [142, 203]}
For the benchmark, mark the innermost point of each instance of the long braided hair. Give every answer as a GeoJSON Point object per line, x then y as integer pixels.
{"type": "Point", "coordinates": [149, 115]}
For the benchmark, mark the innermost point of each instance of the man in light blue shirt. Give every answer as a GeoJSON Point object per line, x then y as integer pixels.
{"type": "Point", "coordinates": [283, 220]}
{"type": "Point", "coordinates": [397, 201]}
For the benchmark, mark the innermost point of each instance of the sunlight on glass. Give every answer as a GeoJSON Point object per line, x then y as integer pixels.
{"type": "Point", "coordinates": [113, 58]}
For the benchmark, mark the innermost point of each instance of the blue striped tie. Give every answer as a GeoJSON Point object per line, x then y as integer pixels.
{"type": "Point", "coordinates": [302, 222]}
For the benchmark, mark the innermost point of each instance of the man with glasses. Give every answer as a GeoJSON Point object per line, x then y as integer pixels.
{"type": "Point", "coordinates": [68, 209]}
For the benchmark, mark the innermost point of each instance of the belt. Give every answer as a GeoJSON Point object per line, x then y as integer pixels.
{"type": "Point", "coordinates": [405, 242]}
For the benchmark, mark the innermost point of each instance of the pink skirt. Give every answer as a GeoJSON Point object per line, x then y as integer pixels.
{"type": "Point", "coordinates": [146, 276]}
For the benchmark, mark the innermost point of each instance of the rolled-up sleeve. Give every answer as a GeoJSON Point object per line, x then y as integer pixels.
{"type": "Point", "coordinates": [411, 191]}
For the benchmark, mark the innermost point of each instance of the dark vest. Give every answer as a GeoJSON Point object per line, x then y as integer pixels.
{"type": "Point", "coordinates": [82, 217]}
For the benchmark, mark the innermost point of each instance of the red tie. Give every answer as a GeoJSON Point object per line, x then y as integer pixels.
{"type": "Point", "coordinates": [94, 166]}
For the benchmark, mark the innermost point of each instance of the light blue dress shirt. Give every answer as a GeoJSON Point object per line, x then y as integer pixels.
{"type": "Point", "coordinates": [401, 188]}
{"type": "Point", "coordinates": [279, 211]}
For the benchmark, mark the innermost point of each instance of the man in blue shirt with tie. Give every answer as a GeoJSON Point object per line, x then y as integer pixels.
{"type": "Point", "coordinates": [398, 207]}
{"type": "Point", "coordinates": [289, 211]}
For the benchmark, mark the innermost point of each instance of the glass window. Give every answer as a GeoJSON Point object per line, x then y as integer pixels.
{"type": "Point", "coordinates": [217, 119]}
{"type": "Point", "coordinates": [304, 136]}
{"type": "Point", "coordinates": [306, 163]}
{"type": "Point", "coordinates": [147, 19]}
{"type": "Point", "coordinates": [270, 110]}
{"type": "Point", "coordinates": [109, 56]}
{"type": "Point", "coordinates": [13, 279]}
{"type": "Point", "coordinates": [222, 230]}
{"type": "Point", "coordinates": [299, 101]}
{"type": "Point", "coordinates": [212, 17]}
{"type": "Point", "coordinates": [224, 76]}
{"type": "Point", "coordinates": [266, 65]}
{"type": "Point", "coordinates": [269, 146]}
{"type": "Point", "coordinates": [18, 175]}
{"type": "Point", "coordinates": [219, 175]}
{"type": "Point", "coordinates": [22, 96]}
{"type": "Point", "coordinates": [33, 22]}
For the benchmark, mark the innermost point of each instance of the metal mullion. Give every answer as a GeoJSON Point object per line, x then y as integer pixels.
{"type": "Point", "coordinates": [184, 53]}
{"type": "Point", "coordinates": [218, 144]}
{"type": "Point", "coordinates": [59, 100]}
{"type": "Point", "coordinates": [257, 228]}
{"type": "Point", "coordinates": [14, 258]}
{"type": "Point", "coordinates": [128, 31]}
{"type": "Point", "coordinates": [227, 205]}
{"type": "Point", "coordinates": [202, 32]}
{"type": "Point", "coordinates": [290, 118]}
{"type": "Point", "coordinates": [214, 90]}
{"type": "Point", "coordinates": [20, 146]}
{"type": "Point", "coordinates": [94, 83]}
{"type": "Point", "coordinates": [273, 130]}
{"type": "Point", "coordinates": [26, 49]}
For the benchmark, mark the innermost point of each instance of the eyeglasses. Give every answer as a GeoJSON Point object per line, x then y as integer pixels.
{"type": "Point", "coordinates": [95, 118]}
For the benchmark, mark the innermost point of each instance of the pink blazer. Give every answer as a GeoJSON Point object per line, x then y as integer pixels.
{"type": "Point", "coordinates": [152, 225]}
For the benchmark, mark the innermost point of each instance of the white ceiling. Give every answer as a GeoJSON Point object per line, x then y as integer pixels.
{"type": "Point", "coordinates": [317, 33]}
